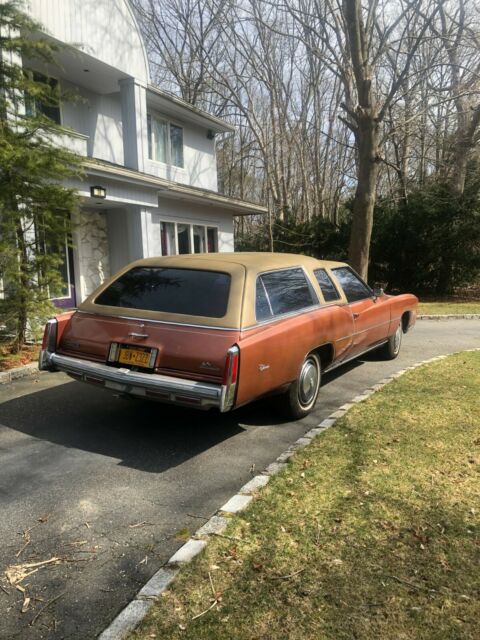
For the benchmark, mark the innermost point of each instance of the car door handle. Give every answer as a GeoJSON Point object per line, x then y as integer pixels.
{"type": "Point", "coordinates": [356, 315]}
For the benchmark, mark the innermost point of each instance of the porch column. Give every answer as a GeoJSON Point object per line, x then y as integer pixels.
{"type": "Point", "coordinates": [134, 121]}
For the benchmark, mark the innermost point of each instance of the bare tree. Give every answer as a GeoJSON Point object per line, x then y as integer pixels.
{"type": "Point", "coordinates": [181, 38]}
{"type": "Point", "coordinates": [460, 40]}
{"type": "Point", "coordinates": [363, 43]}
{"type": "Point", "coordinates": [330, 98]}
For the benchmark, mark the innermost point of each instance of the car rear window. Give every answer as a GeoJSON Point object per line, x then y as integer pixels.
{"type": "Point", "coordinates": [186, 291]}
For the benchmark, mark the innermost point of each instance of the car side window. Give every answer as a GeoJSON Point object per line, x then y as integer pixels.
{"type": "Point", "coordinates": [263, 310]}
{"type": "Point", "coordinates": [354, 288]}
{"type": "Point", "coordinates": [326, 285]}
{"type": "Point", "coordinates": [286, 291]}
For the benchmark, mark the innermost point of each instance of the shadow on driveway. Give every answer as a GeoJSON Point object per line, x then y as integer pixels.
{"type": "Point", "coordinates": [144, 435]}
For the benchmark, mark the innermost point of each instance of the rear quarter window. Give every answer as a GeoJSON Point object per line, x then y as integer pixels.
{"type": "Point", "coordinates": [284, 291]}
{"type": "Point", "coordinates": [328, 289]}
{"type": "Point", "coordinates": [191, 292]}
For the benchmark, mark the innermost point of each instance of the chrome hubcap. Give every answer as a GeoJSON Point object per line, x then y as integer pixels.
{"type": "Point", "coordinates": [308, 383]}
{"type": "Point", "coordinates": [397, 339]}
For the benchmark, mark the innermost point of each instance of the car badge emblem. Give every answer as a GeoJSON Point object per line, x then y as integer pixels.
{"type": "Point", "coordinates": [208, 365]}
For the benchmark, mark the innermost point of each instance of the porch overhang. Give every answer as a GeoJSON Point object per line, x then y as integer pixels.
{"type": "Point", "coordinates": [173, 190]}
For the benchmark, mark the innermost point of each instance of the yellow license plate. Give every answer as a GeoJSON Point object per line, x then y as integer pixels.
{"type": "Point", "coordinates": [135, 357]}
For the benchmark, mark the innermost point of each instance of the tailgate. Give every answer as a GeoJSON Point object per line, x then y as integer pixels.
{"type": "Point", "coordinates": [183, 351]}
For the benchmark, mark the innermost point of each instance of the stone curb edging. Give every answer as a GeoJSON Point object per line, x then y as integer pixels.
{"type": "Point", "coordinates": [131, 616]}
{"type": "Point", "coordinates": [19, 372]}
{"type": "Point", "coordinates": [450, 316]}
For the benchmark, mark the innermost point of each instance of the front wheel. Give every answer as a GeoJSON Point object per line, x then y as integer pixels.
{"type": "Point", "coordinates": [301, 396]}
{"type": "Point", "coordinates": [391, 349]}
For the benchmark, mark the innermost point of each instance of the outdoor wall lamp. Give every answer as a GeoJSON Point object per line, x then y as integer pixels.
{"type": "Point", "coordinates": [210, 134]}
{"type": "Point", "coordinates": [98, 192]}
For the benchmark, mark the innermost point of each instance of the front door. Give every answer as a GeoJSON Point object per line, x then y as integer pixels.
{"type": "Point", "coordinates": [371, 316]}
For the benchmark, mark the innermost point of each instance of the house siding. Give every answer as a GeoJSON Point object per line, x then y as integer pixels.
{"type": "Point", "coordinates": [104, 29]}
{"type": "Point", "coordinates": [200, 163]}
{"type": "Point", "coordinates": [99, 117]}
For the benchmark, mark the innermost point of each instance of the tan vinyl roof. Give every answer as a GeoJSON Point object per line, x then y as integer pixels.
{"type": "Point", "coordinates": [243, 268]}
{"type": "Point", "coordinates": [256, 261]}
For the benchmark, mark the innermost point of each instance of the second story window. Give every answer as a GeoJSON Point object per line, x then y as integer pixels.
{"type": "Point", "coordinates": [165, 141]}
{"type": "Point", "coordinates": [35, 106]}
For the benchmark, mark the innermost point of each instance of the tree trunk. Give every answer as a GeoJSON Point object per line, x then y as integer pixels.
{"type": "Point", "coordinates": [22, 301]}
{"type": "Point", "coordinates": [364, 202]}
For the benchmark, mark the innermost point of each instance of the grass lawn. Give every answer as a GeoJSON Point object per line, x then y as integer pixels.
{"type": "Point", "coordinates": [372, 532]}
{"type": "Point", "coordinates": [445, 308]}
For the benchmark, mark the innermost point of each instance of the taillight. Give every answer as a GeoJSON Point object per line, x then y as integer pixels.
{"type": "Point", "coordinates": [49, 341]}
{"type": "Point", "coordinates": [230, 376]}
{"type": "Point", "coordinates": [234, 368]}
{"type": "Point", "coordinates": [231, 366]}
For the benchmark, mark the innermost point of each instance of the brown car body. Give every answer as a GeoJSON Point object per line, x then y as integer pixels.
{"type": "Point", "coordinates": [229, 361]}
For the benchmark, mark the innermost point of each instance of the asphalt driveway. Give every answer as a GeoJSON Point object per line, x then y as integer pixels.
{"type": "Point", "coordinates": [101, 489]}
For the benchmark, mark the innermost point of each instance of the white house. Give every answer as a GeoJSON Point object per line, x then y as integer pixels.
{"type": "Point", "coordinates": [151, 178]}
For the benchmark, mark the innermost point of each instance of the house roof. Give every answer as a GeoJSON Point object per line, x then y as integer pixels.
{"type": "Point", "coordinates": [175, 106]}
{"type": "Point", "coordinates": [174, 190]}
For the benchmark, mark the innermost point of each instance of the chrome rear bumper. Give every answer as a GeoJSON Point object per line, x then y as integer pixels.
{"type": "Point", "coordinates": [200, 395]}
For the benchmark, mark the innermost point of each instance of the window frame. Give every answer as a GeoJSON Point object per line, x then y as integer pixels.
{"type": "Point", "coordinates": [158, 116]}
{"type": "Point", "coordinates": [315, 304]}
{"type": "Point", "coordinates": [190, 224]}
{"type": "Point", "coordinates": [35, 105]}
{"type": "Point", "coordinates": [369, 289]}
{"type": "Point", "coordinates": [339, 297]}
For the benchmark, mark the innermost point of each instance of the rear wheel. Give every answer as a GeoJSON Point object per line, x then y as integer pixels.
{"type": "Point", "coordinates": [391, 349]}
{"type": "Point", "coordinates": [301, 396]}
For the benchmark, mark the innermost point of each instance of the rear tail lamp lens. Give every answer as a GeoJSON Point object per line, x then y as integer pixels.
{"type": "Point", "coordinates": [49, 341]}
{"type": "Point", "coordinates": [231, 366]}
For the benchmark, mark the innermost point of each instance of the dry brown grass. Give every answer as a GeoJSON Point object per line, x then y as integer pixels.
{"type": "Point", "coordinates": [10, 360]}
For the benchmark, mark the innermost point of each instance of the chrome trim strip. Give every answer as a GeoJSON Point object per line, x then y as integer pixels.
{"type": "Point", "coordinates": [357, 355]}
{"type": "Point", "coordinates": [375, 326]}
{"type": "Point", "coordinates": [312, 308]}
{"type": "Point", "coordinates": [178, 324]}
{"type": "Point", "coordinates": [283, 316]}
{"type": "Point", "coordinates": [357, 333]}
{"type": "Point", "coordinates": [136, 383]}
{"type": "Point", "coordinates": [228, 389]}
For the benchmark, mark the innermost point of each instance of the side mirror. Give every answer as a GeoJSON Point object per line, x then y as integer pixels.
{"type": "Point", "coordinates": [378, 291]}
